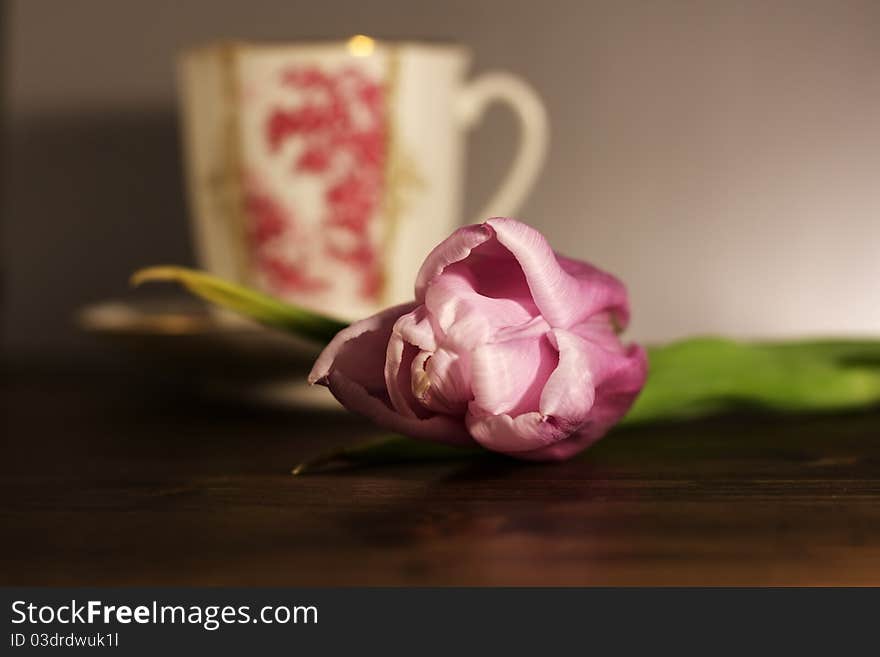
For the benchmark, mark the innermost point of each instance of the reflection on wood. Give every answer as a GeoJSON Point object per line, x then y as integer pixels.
{"type": "Point", "coordinates": [104, 482]}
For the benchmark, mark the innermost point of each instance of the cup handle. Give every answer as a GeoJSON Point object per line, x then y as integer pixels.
{"type": "Point", "coordinates": [473, 100]}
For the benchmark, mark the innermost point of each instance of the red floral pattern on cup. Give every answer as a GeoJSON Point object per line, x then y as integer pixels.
{"type": "Point", "coordinates": [271, 232]}
{"type": "Point", "coordinates": [341, 124]}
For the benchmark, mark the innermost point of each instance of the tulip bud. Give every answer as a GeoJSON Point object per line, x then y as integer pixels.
{"type": "Point", "coordinates": [507, 345]}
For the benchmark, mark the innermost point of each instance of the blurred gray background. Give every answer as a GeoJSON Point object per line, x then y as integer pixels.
{"type": "Point", "coordinates": [722, 157]}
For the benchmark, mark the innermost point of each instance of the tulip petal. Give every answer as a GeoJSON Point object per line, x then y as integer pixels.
{"type": "Point", "coordinates": [588, 392]}
{"type": "Point", "coordinates": [446, 387]}
{"type": "Point", "coordinates": [603, 292]}
{"type": "Point", "coordinates": [465, 317]}
{"type": "Point", "coordinates": [600, 330]}
{"type": "Point", "coordinates": [359, 350]}
{"type": "Point", "coordinates": [353, 365]}
{"type": "Point", "coordinates": [454, 248]}
{"type": "Point", "coordinates": [556, 293]}
{"type": "Point", "coordinates": [399, 357]}
{"type": "Point", "coordinates": [566, 291]}
{"type": "Point", "coordinates": [563, 402]}
{"type": "Point", "coordinates": [569, 393]}
{"type": "Point", "coordinates": [416, 328]}
{"type": "Point", "coordinates": [621, 382]}
{"type": "Point", "coordinates": [623, 377]}
{"type": "Point", "coordinates": [411, 335]}
{"type": "Point", "coordinates": [438, 428]}
{"type": "Point", "coordinates": [508, 377]}
{"type": "Point", "coordinates": [523, 434]}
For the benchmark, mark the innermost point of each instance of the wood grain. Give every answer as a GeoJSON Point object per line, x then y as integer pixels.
{"type": "Point", "coordinates": [110, 480]}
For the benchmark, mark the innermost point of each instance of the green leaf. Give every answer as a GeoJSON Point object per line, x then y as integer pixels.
{"type": "Point", "coordinates": [250, 303]}
{"type": "Point", "coordinates": [706, 376]}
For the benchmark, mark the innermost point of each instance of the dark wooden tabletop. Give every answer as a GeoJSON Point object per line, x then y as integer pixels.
{"type": "Point", "coordinates": [108, 480]}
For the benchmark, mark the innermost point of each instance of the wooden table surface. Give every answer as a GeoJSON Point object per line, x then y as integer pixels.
{"type": "Point", "coordinates": [105, 480]}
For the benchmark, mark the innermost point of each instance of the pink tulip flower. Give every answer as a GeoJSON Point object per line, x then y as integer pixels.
{"type": "Point", "coordinates": [507, 345]}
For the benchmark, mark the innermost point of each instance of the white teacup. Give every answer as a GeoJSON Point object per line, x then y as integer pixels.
{"type": "Point", "coordinates": [323, 173]}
